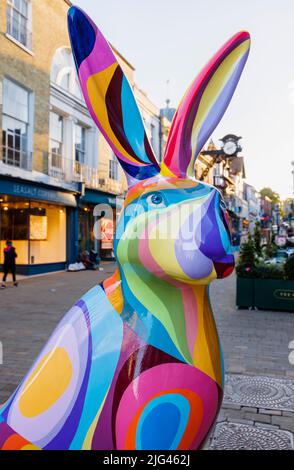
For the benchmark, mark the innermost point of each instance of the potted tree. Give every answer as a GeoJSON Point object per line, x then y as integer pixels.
{"type": "Point", "coordinates": [246, 273]}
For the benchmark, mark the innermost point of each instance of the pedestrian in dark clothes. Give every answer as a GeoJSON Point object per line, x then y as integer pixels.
{"type": "Point", "coordinates": [9, 263]}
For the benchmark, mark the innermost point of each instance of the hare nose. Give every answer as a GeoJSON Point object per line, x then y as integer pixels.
{"type": "Point", "coordinates": [82, 34]}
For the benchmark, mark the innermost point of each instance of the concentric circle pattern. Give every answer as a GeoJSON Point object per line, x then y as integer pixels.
{"type": "Point", "coordinates": [233, 436]}
{"type": "Point", "coordinates": [259, 391]}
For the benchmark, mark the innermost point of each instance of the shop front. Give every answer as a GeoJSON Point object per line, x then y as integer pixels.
{"type": "Point", "coordinates": [37, 219]}
{"type": "Point", "coordinates": [98, 209]}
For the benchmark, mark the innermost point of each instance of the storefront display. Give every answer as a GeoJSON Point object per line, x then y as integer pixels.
{"type": "Point", "coordinates": [37, 229]}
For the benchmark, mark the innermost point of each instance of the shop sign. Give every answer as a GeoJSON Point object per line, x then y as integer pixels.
{"type": "Point", "coordinates": [30, 191]}
{"type": "Point", "coordinates": [285, 294]}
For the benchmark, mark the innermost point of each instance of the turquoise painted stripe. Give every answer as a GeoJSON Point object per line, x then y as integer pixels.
{"type": "Point", "coordinates": [132, 122]}
{"type": "Point", "coordinates": [107, 336]}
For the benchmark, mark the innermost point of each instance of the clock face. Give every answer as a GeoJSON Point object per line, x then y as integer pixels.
{"type": "Point", "coordinates": [230, 148]}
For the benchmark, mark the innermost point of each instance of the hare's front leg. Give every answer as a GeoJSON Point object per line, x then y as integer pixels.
{"type": "Point", "coordinates": [58, 403]}
{"type": "Point", "coordinates": [157, 401]}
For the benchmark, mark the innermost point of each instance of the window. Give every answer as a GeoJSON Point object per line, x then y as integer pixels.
{"type": "Point", "coordinates": [15, 125]}
{"type": "Point", "coordinates": [152, 129]}
{"type": "Point", "coordinates": [56, 140]}
{"type": "Point", "coordinates": [63, 72]}
{"type": "Point", "coordinates": [113, 168]}
{"type": "Point", "coordinates": [18, 21]}
{"type": "Point", "coordinates": [80, 143]}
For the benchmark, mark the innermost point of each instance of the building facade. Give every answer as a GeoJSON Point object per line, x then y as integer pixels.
{"type": "Point", "coordinates": [55, 166]}
{"type": "Point", "coordinates": [252, 196]}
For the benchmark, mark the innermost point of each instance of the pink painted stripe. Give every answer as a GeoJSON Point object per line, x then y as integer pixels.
{"type": "Point", "coordinates": [189, 301]}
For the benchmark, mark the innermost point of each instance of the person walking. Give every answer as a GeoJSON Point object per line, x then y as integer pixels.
{"type": "Point", "coordinates": [9, 263]}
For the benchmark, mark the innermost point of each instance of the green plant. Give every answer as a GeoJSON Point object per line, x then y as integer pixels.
{"type": "Point", "coordinates": [247, 262]}
{"type": "Point", "coordinates": [257, 239]}
{"type": "Point", "coordinates": [274, 197]}
{"type": "Point", "coordinates": [271, 250]}
{"type": "Point", "coordinates": [270, 271]}
{"type": "Point", "coordinates": [289, 268]}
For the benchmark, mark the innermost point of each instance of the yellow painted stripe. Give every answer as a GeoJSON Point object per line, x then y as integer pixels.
{"type": "Point", "coordinates": [211, 93]}
{"type": "Point", "coordinates": [97, 86]}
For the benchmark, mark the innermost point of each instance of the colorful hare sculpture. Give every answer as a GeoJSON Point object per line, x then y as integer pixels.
{"type": "Point", "coordinates": [136, 363]}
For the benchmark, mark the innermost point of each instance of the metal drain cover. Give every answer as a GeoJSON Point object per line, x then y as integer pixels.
{"type": "Point", "coordinates": [233, 436]}
{"type": "Point", "coordinates": [260, 392]}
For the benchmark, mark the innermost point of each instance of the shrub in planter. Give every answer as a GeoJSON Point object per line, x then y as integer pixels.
{"type": "Point", "coordinates": [246, 272]}
{"type": "Point", "coordinates": [247, 263]}
{"type": "Point", "coordinates": [267, 271]}
{"type": "Point", "coordinates": [257, 240]}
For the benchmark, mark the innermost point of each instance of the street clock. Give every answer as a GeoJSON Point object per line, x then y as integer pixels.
{"type": "Point", "coordinates": [231, 145]}
{"type": "Point", "coordinates": [230, 148]}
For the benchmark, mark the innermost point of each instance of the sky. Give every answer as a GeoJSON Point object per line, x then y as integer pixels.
{"type": "Point", "coordinates": [173, 39]}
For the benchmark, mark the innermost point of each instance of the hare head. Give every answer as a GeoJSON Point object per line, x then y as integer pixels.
{"type": "Point", "coordinates": [172, 225]}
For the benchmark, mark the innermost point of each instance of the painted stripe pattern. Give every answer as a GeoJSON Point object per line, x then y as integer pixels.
{"type": "Point", "coordinates": [137, 363]}
{"type": "Point", "coordinates": [110, 98]}
{"type": "Point", "coordinates": [204, 105]}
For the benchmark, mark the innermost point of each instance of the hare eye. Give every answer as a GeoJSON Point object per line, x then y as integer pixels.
{"type": "Point", "coordinates": [155, 199]}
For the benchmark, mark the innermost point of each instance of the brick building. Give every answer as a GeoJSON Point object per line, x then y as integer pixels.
{"type": "Point", "coordinates": [55, 166]}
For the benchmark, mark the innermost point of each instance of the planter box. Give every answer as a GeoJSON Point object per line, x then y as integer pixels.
{"type": "Point", "coordinates": [268, 294]}
{"type": "Point", "coordinates": [245, 292]}
{"type": "Point", "coordinates": [274, 294]}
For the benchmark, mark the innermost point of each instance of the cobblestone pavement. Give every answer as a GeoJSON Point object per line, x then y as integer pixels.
{"type": "Point", "coordinates": [255, 343]}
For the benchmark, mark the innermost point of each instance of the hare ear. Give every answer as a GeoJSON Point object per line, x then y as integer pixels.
{"type": "Point", "coordinates": [109, 98]}
{"type": "Point", "coordinates": [204, 105]}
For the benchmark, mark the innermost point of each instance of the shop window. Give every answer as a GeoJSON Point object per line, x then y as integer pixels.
{"type": "Point", "coordinates": [14, 223]}
{"type": "Point", "coordinates": [47, 233]}
{"type": "Point", "coordinates": [14, 226]}
{"type": "Point", "coordinates": [18, 21]}
{"type": "Point", "coordinates": [15, 125]}
{"type": "Point", "coordinates": [56, 143]}
{"type": "Point", "coordinates": [37, 229]}
{"type": "Point", "coordinates": [113, 168]}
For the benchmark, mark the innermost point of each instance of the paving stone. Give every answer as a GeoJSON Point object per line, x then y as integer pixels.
{"type": "Point", "coordinates": [250, 409]}
{"type": "Point", "coordinates": [288, 413]}
{"type": "Point", "coordinates": [241, 421]}
{"type": "Point", "coordinates": [233, 414]}
{"type": "Point", "coordinates": [284, 422]}
{"type": "Point", "coordinates": [270, 412]}
{"type": "Point", "coordinates": [230, 406]}
{"type": "Point", "coordinates": [258, 417]}
{"type": "Point", "coordinates": [265, 425]}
